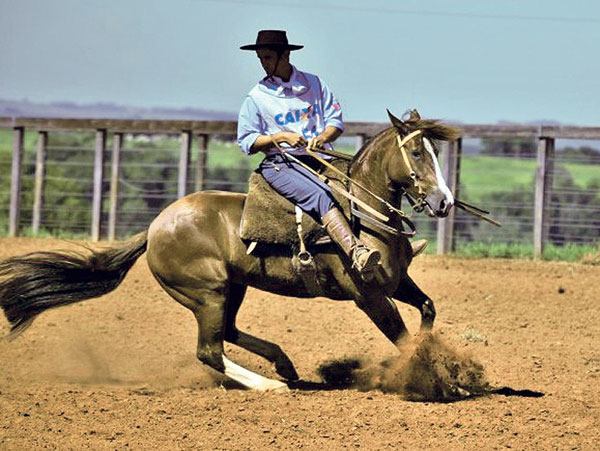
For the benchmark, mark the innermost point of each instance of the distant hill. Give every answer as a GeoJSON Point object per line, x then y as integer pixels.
{"type": "Point", "coordinates": [25, 108]}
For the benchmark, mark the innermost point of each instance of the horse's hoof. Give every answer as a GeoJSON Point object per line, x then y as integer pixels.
{"type": "Point", "coordinates": [426, 326]}
{"type": "Point", "coordinates": [427, 315]}
{"type": "Point", "coordinates": [287, 371]}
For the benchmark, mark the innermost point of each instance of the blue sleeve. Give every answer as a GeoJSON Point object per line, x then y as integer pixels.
{"type": "Point", "coordinates": [332, 111]}
{"type": "Point", "coordinates": [250, 125]}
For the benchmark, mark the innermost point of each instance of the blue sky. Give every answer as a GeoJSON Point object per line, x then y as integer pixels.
{"type": "Point", "coordinates": [474, 61]}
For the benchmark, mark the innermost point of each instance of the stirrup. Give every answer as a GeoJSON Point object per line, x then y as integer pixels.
{"type": "Point", "coordinates": [370, 261]}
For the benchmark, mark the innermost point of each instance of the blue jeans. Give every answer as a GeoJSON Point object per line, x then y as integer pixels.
{"type": "Point", "coordinates": [297, 184]}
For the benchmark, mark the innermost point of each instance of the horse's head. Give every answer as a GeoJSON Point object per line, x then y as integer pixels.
{"type": "Point", "coordinates": [413, 166]}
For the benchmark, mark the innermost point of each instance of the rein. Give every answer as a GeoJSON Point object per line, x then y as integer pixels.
{"type": "Point", "coordinates": [378, 219]}
{"type": "Point", "coordinates": [418, 206]}
{"type": "Point", "coordinates": [381, 218]}
{"type": "Point", "coordinates": [324, 179]}
{"type": "Point", "coordinates": [324, 162]}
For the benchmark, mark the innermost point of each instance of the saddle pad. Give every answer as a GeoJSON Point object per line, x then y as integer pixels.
{"type": "Point", "coordinates": [270, 218]}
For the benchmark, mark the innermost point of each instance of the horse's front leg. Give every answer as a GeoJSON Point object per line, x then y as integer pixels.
{"type": "Point", "coordinates": [409, 293]}
{"type": "Point", "coordinates": [384, 313]}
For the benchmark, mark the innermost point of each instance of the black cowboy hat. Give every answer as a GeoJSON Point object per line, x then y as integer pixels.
{"type": "Point", "coordinates": [271, 39]}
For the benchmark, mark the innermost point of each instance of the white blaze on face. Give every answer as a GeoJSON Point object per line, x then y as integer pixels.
{"type": "Point", "coordinates": [441, 183]}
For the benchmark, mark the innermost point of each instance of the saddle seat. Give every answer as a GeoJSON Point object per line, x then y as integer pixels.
{"type": "Point", "coordinates": [270, 218]}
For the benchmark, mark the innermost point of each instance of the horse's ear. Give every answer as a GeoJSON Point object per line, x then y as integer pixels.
{"type": "Point", "coordinates": [397, 123]}
{"type": "Point", "coordinates": [414, 115]}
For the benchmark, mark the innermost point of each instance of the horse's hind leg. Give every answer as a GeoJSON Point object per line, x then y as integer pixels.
{"type": "Point", "coordinates": [270, 351]}
{"type": "Point", "coordinates": [208, 307]}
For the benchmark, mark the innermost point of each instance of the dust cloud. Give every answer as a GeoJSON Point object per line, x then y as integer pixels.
{"type": "Point", "coordinates": [71, 358]}
{"type": "Point", "coordinates": [426, 369]}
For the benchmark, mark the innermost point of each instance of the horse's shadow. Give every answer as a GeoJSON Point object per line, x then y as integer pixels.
{"type": "Point", "coordinates": [303, 385]}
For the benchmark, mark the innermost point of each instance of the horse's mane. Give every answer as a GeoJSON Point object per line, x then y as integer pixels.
{"type": "Point", "coordinates": [432, 129]}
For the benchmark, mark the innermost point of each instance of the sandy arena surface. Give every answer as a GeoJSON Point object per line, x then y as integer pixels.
{"type": "Point", "coordinates": [120, 372]}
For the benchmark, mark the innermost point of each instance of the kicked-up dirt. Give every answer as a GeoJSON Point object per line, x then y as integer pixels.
{"type": "Point", "coordinates": [119, 372]}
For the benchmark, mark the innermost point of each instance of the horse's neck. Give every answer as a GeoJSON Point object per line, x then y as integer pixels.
{"type": "Point", "coordinates": [369, 169]}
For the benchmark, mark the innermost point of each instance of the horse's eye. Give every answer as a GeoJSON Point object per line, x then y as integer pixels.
{"type": "Point", "coordinates": [416, 154]}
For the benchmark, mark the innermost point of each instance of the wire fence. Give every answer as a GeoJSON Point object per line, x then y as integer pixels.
{"type": "Point", "coordinates": [503, 183]}
{"type": "Point", "coordinates": [147, 182]}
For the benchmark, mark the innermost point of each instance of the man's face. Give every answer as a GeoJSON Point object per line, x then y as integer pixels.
{"type": "Point", "coordinates": [269, 59]}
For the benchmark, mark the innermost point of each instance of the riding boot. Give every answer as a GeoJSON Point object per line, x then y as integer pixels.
{"type": "Point", "coordinates": [364, 260]}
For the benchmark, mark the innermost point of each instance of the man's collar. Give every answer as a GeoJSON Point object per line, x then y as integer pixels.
{"type": "Point", "coordinates": [297, 84]}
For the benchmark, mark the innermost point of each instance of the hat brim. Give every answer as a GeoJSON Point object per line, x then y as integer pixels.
{"type": "Point", "coordinates": [271, 47]}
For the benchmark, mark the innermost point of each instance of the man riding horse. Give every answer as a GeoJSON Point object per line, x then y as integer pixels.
{"type": "Point", "coordinates": [287, 112]}
{"type": "Point", "coordinates": [197, 254]}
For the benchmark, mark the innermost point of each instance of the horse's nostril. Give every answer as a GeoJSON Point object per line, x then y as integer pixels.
{"type": "Point", "coordinates": [443, 209]}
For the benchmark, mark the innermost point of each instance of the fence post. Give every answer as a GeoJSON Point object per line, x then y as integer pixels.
{"type": "Point", "coordinates": [114, 185]}
{"type": "Point", "coordinates": [451, 156]}
{"type": "Point", "coordinates": [543, 192]}
{"type": "Point", "coordinates": [201, 162]}
{"type": "Point", "coordinates": [15, 184]}
{"type": "Point", "coordinates": [184, 161]}
{"type": "Point", "coordinates": [360, 141]}
{"type": "Point", "coordinates": [40, 179]}
{"type": "Point", "coordinates": [97, 183]}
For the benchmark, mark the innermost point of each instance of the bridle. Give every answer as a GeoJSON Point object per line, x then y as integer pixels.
{"type": "Point", "coordinates": [419, 203]}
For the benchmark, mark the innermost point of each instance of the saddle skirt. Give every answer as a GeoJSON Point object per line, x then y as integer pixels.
{"type": "Point", "coordinates": [270, 218]}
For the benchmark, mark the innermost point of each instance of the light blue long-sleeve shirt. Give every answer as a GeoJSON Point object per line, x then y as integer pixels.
{"type": "Point", "coordinates": [304, 105]}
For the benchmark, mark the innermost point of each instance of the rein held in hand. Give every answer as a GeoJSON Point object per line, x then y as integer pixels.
{"type": "Point", "coordinates": [379, 219]}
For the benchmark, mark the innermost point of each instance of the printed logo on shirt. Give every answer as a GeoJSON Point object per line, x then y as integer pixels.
{"type": "Point", "coordinates": [294, 116]}
{"type": "Point", "coordinates": [312, 133]}
{"type": "Point", "coordinates": [304, 117]}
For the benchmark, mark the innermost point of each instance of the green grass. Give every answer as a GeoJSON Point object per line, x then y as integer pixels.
{"type": "Point", "coordinates": [484, 175]}
{"type": "Point", "coordinates": [569, 252]}
{"type": "Point", "coordinates": [584, 175]}
{"type": "Point", "coordinates": [6, 141]}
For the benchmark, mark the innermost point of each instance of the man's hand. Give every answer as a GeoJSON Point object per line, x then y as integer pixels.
{"type": "Point", "coordinates": [265, 142]}
{"type": "Point", "coordinates": [328, 135]}
{"type": "Point", "coordinates": [316, 143]}
{"type": "Point", "coordinates": [293, 139]}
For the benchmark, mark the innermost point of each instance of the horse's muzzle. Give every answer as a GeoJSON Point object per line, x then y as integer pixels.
{"type": "Point", "coordinates": [438, 205]}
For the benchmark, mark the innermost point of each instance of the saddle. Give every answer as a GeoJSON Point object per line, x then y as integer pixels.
{"type": "Point", "coordinates": [270, 218]}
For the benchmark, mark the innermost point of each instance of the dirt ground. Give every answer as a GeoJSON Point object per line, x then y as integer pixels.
{"type": "Point", "coordinates": [120, 372]}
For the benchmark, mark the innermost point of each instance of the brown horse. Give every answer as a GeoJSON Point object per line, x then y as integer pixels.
{"type": "Point", "coordinates": [195, 253]}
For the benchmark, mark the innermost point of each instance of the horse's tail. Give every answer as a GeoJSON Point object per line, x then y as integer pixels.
{"type": "Point", "coordinates": [38, 281]}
